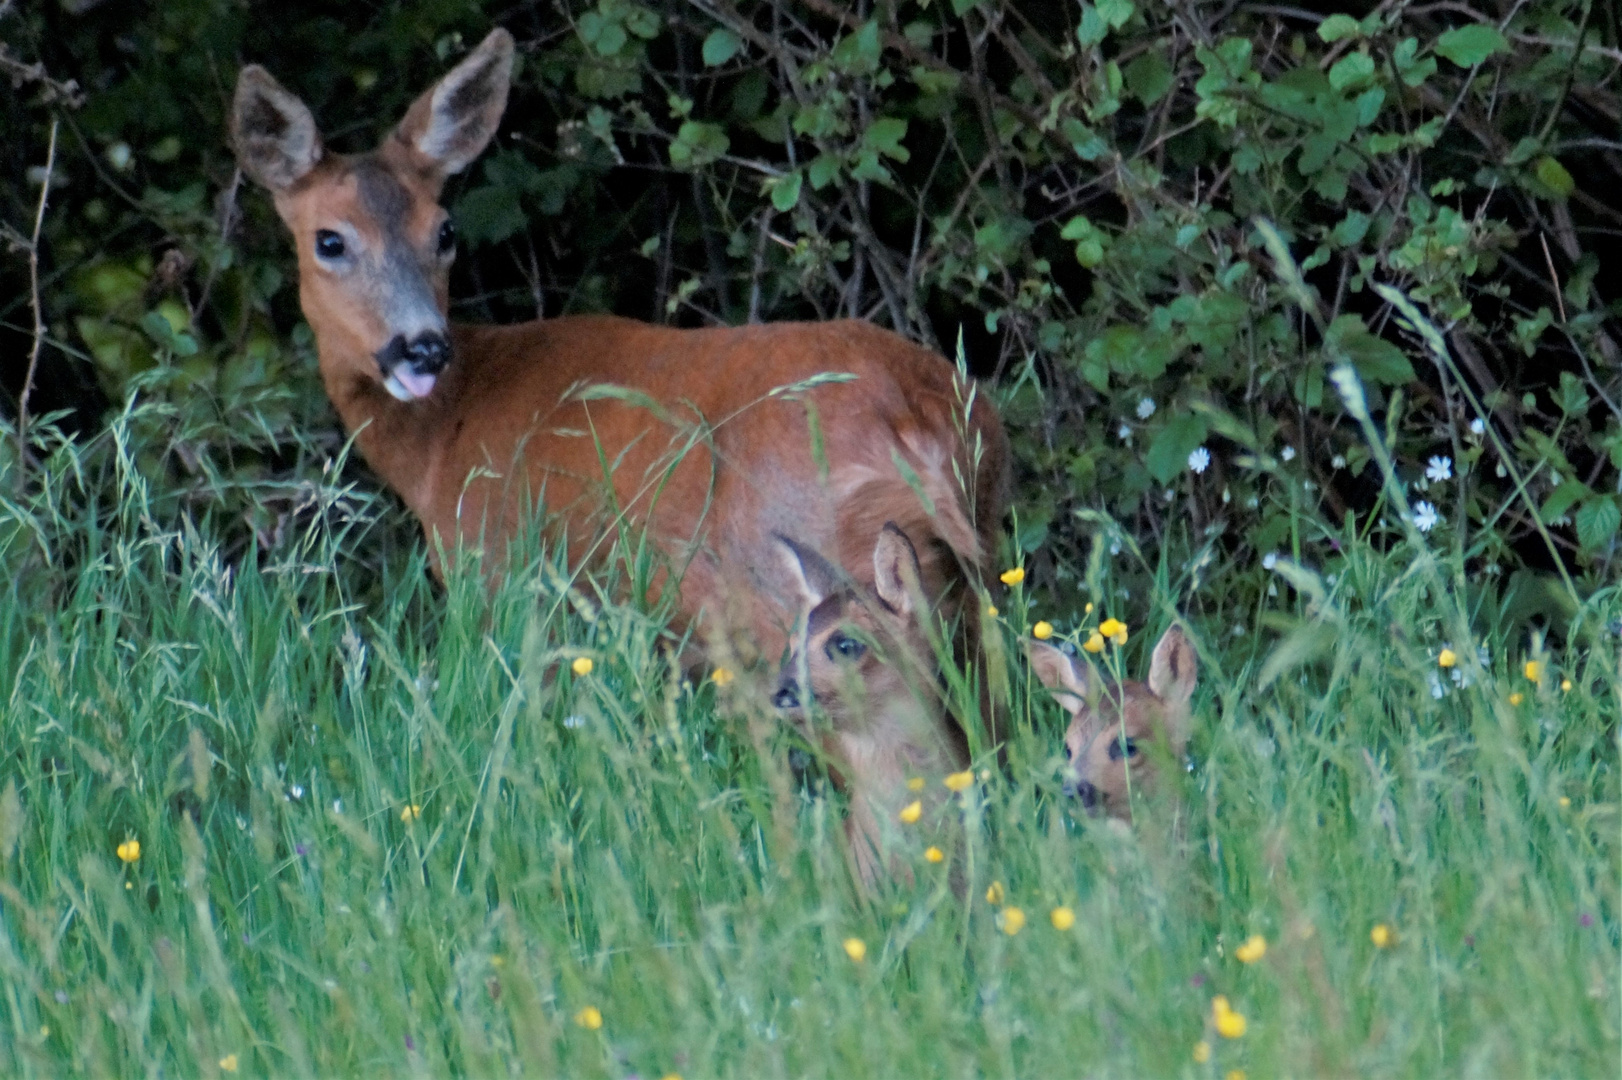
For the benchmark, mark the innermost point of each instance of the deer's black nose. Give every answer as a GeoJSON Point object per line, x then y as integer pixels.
{"type": "Point", "coordinates": [428, 353]}
{"type": "Point", "coordinates": [787, 696]}
{"type": "Point", "coordinates": [1081, 789]}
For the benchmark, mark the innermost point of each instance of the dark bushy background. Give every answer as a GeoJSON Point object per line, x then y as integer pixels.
{"type": "Point", "coordinates": [1067, 191]}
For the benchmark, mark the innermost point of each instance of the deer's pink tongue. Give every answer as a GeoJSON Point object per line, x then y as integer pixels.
{"type": "Point", "coordinates": [413, 383]}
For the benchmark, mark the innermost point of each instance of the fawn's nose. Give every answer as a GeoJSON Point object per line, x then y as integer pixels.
{"type": "Point", "coordinates": [1081, 789]}
{"type": "Point", "coordinates": [787, 696]}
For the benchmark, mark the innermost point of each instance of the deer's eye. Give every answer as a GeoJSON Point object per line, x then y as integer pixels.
{"type": "Point", "coordinates": [1122, 748]}
{"type": "Point", "coordinates": [447, 238]}
{"type": "Point", "coordinates": [328, 244]}
{"type": "Point", "coordinates": [844, 647]}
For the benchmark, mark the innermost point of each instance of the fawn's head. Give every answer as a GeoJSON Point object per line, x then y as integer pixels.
{"type": "Point", "coordinates": [1120, 734]}
{"type": "Point", "coordinates": [374, 245]}
{"type": "Point", "coordinates": [860, 654]}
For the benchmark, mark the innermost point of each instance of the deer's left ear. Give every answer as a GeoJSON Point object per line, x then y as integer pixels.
{"type": "Point", "coordinates": [451, 123]}
{"type": "Point", "coordinates": [1173, 669]}
{"type": "Point", "coordinates": [895, 569]}
{"type": "Point", "coordinates": [814, 577]}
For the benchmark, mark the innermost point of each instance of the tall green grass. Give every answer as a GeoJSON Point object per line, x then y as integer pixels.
{"type": "Point", "coordinates": [386, 829]}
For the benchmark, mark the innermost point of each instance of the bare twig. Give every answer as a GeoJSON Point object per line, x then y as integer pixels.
{"type": "Point", "coordinates": [39, 318]}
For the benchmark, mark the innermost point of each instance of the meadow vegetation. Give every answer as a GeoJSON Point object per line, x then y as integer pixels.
{"type": "Point", "coordinates": [1298, 321]}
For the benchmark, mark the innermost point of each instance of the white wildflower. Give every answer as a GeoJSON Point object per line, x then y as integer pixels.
{"type": "Point", "coordinates": [1146, 408]}
{"type": "Point", "coordinates": [1338, 461]}
{"type": "Point", "coordinates": [297, 791]}
{"type": "Point", "coordinates": [1199, 459]}
{"type": "Point", "coordinates": [1288, 453]}
{"type": "Point", "coordinates": [1124, 433]}
{"type": "Point", "coordinates": [1478, 426]}
{"type": "Point", "coordinates": [1436, 686]}
{"type": "Point", "coordinates": [1439, 468]}
{"type": "Point", "coordinates": [1227, 497]}
{"type": "Point", "coordinates": [1425, 517]}
{"type": "Point", "coordinates": [574, 721]}
{"type": "Point", "coordinates": [1270, 560]}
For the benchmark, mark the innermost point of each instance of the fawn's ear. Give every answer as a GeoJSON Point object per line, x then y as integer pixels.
{"type": "Point", "coordinates": [1173, 669]}
{"type": "Point", "coordinates": [895, 569]}
{"type": "Point", "coordinates": [1059, 673]}
{"type": "Point", "coordinates": [453, 121]}
{"type": "Point", "coordinates": [272, 130]}
{"type": "Point", "coordinates": [815, 577]}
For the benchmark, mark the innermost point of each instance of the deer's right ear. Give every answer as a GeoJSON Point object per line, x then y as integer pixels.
{"type": "Point", "coordinates": [815, 577]}
{"type": "Point", "coordinates": [274, 133]}
{"type": "Point", "coordinates": [451, 123]}
{"type": "Point", "coordinates": [1057, 671]}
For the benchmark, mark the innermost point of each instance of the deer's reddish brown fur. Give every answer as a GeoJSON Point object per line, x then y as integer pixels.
{"type": "Point", "coordinates": [473, 426]}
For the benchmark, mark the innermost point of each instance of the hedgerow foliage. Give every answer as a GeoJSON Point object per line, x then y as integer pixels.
{"type": "Point", "coordinates": [1079, 196]}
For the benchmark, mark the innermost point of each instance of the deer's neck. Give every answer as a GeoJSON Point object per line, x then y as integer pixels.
{"type": "Point", "coordinates": [402, 441]}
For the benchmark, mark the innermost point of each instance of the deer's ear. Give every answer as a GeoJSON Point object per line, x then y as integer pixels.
{"type": "Point", "coordinates": [1059, 673]}
{"type": "Point", "coordinates": [814, 577]}
{"type": "Point", "coordinates": [895, 569]}
{"type": "Point", "coordinates": [273, 131]}
{"type": "Point", "coordinates": [1173, 668]}
{"type": "Point", "coordinates": [453, 121]}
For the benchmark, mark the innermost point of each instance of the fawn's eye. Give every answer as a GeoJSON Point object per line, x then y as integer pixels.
{"type": "Point", "coordinates": [1122, 748]}
{"type": "Point", "coordinates": [844, 647]}
{"type": "Point", "coordinates": [328, 244]}
{"type": "Point", "coordinates": [447, 238]}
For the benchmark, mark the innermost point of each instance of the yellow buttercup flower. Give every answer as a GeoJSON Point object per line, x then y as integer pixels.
{"type": "Point", "coordinates": [1252, 950]}
{"type": "Point", "coordinates": [129, 850]}
{"type": "Point", "coordinates": [1516, 698]}
{"type": "Point", "coordinates": [1229, 1024]}
{"type": "Point", "coordinates": [1202, 1052]}
{"type": "Point", "coordinates": [1565, 686]}
{"type": "Point", "coordinates": [1062, 918]}
{"type": "Point", "coordinates": [915, 784]}
{"type": "Point", "coordinates": [1110, 627]}
{"type": "Point", "coordinates": [582, 666]}
{"type": "Point", "coordinates": [959, 781]}
{"type": "Point", "coordinates": [934, 854]}
{"type": "Point", "coordinates": [1042, 631]}
{"type": "Point", "coordinates": [856, 949]}
{"type": "Point", "coordinates": [911, 813]}
{"type": "Point", "coordinates": [1012, 920]}
{"type": "Point", "coordinates": [1534, 670]}
{"type": "Point", "coordinates": [589, 1018]}
{"type": "Point", "coordinates": [722, 676]}
{"type": "Point", "coordinates": [1235, 1074]}
{"type": "Point", "coordinates": [1013, 577]}
{"type": "Point", "coordinates": [229, 1063]}
{"type": "Point", "coordinates": [1095, 643]}
{"type": "Point", "coordinates": [411, 813]}
{"type": "Point", "coordinates": [1565, 802]}
{"type": "Point", "coordinates": [991, 610]}
{"type": "Point", "coordinates": [1447, 658]}
{"type": "Point", "coordinates": [1382, 936]}
{"type": "Point", "coordinates": [1088, 610]}
{"type": "Point", "coordinates": [994, 894]}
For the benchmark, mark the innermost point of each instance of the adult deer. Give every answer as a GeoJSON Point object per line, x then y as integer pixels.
{"type": "Point", "coordinates": [700, 444]}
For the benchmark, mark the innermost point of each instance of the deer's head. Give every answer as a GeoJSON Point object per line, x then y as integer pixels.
{"type": "Point", "coordinates": [374, 245]}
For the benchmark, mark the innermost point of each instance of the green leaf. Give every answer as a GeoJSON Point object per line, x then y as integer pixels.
{"type": "Point", "coordinates": [1338, 26]}
{"type": "Point", "coordinates": [697, 144]}
{"type": "Point", "coordinates": [1375, 359]}
{"type": "Point", "coordinates": [1351, 69]}
{"type": "Point", "coordinates": [1090, 241]}
{"type": "Point", "coordinates": [824, 167]}
{"type": "Point", "coordinates": [1598, 521]}
{"type": "Point", "coordinates": [1115, 12]}
{"type": "Point", "coordinates": [721, 45]}
{"type": "Point", "coordinates": [1092, 29]}
{"type": "Point", "coordinates": [1168, 454]}
{"type": "Point", "coordinates": [1149, 77]}
{"type": "Point", "coordinates": [858, 53]}
{"type": "Point", "coordinates": [1554, 176]}
{"type": "Point", "coordinates": [1468, 46]}
{"type": "Point", "coordinates": [488, 215]}
{"type": "Point", "coordinates": [1563, 498]}
{"type": "Point", "coordinates": [786, 191]}
{"type": "Point", "coordinates": [884, 135]}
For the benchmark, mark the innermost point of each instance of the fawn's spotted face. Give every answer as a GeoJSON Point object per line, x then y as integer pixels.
{"type": "Point", "coordinates": [1120, 734]}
